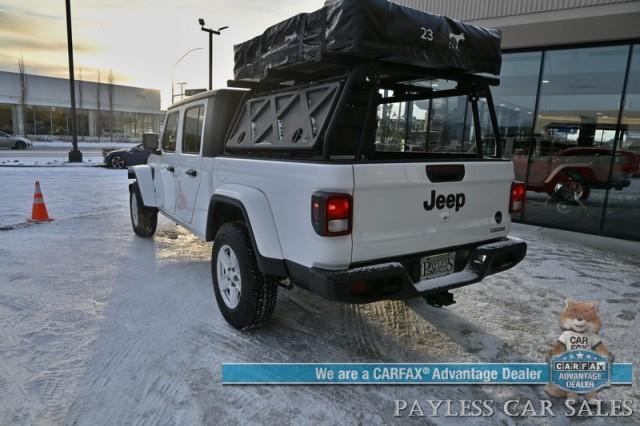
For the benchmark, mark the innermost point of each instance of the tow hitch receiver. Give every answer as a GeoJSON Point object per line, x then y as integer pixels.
{"type": "Point", "coordinates": [440, 299]}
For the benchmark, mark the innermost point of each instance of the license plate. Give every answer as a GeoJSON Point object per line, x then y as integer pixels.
{"type": "Point", "coordinates": [437, 266]}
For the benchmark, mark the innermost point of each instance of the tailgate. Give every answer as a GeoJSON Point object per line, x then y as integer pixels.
{"type": "Point", "coordinates": [405, 208]}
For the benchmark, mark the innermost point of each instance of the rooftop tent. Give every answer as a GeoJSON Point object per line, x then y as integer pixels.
{"type": "Point", "coordinates": [355, 31]}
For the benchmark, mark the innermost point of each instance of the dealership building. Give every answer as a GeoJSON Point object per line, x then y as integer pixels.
{"type": "Point", "coordinates": [569, 104]}
{"type": "Point", "coordinates": [105, 111]}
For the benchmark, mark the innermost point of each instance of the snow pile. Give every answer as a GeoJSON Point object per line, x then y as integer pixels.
{"type": "Point", "coordinates": [49, 162]}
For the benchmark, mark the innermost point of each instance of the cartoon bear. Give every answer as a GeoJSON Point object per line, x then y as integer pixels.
{"type": "Point", "coordinates": [580, 325]}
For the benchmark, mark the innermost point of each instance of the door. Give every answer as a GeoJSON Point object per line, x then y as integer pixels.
{"type": "Point", "coordinates": [138, 155]}
{"type": "Point", "coordinates": [189, 161]}
{"type": "Point", "coordinates": [166, 184]}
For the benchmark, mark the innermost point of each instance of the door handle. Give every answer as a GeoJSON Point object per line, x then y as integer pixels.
{"type": "Point", "coordinates": [192, 172]}
{"type": "Point", "coordinates": [170, 169]}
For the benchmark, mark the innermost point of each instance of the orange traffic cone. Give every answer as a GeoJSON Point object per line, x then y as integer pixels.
{"type": "Point", "coordinates": [39, 211]}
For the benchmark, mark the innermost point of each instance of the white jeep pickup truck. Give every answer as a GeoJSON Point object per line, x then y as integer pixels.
{"type": "Point", "coordinates": [360, 218]}
{"type": "Point", "coordinates": [378, 182]}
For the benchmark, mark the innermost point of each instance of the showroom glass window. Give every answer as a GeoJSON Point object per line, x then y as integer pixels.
{"type": "Point", "coordinates": [59, 121]}
{"type": "Point", "coordinates": [29, 120]}
{"type": "Point", "coordinates": [515, 100]}
{"type": "Point", "coordinates": [42, 120]}
{"type": "Point", "coordinates": [568, 174]}
{"type": "Point", "coordinates": [622, 216]}
{"type": "Point", "coordinates": [6, 118]}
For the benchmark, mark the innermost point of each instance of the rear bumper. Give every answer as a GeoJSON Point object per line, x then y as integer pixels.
{"type": "Point", "coordinates": [396, 280]}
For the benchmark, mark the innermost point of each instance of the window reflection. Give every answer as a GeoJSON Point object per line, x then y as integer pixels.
{"type": "Point", "coordinates": [570, 159]}
{"type": "Point", "coordinates": [623, 206]}
{"type": "Point", "coordinates": [515, 100]}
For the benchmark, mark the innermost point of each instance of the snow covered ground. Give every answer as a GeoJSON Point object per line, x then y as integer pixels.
{"type": "Point", "coordinates": [81, 145]}
{"type": "Point", "coordinates": [98, 326]}
{"type": "Point", "coordinates": [51, 161]}
{"type": "Point", "coordinates": [55, 154]}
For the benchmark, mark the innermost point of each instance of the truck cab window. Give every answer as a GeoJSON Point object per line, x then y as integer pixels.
{"type": "Point", "coordinates": [170, 134]}
{"type": "Point", "coordinates": [192, 134]}
{"type": "Point", "coordinates": [440, 125]}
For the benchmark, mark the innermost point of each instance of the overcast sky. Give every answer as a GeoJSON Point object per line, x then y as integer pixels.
{"type": "Point", "coordinates": [140, 40]}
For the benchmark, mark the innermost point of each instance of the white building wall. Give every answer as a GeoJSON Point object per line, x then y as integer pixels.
{"type": "Point", "coordinates": [50, 91]}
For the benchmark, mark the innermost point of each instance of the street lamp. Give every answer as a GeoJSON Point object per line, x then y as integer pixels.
{"type": "Point", "coordinates": [75, 156]}
{"type": "Point", "coordinates": [211, 33]}
{"type": "Point", "coordinates": [173, 97]}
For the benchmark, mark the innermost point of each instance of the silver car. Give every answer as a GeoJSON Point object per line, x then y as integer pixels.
{"type": "Point", "coordinates": [14, 142]}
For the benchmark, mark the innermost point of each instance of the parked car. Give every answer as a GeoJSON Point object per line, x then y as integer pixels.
{"type": "Point", "coordinates": [14, 142]}
{"type": "Point", "coordinates": [122, 158]}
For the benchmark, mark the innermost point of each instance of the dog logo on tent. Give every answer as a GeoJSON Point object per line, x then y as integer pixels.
{"type": "Point", "coordinates": [454, 40]}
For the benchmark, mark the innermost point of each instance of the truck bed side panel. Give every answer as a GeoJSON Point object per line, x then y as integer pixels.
{"type": "Point", "coordinates": [289, 186]}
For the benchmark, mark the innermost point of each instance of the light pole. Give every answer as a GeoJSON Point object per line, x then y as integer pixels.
{"type": "Point", "coordinates": [75, 156]}
{"type": "Point", "coordinates": [211, 33]}
{"type": "Point", "coordinates": [174, 66]}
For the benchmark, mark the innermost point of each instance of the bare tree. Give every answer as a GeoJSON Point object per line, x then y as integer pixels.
{"type": "Point", "coordinates": [98, 119]}
{"type": "Point", "coordinates": [23, 94]}
{"type": "Point", "coordinates": [110, 90]}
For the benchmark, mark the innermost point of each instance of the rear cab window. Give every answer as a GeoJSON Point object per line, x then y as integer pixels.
{"type": "Point", "coordinates": [442, 126]}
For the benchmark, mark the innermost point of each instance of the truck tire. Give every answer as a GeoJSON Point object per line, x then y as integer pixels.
{"type": "Point", "coordinates": [143, 219]}
{"type": "Point", "coordinates": [246, 297]}
{"type": "Point", "coordinates": [570, 190]}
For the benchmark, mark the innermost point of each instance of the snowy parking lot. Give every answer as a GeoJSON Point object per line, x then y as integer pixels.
{"type": "Point", "coordinates": [98, 326]}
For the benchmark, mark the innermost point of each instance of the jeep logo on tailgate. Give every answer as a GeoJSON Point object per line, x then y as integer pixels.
{"type": "Point", "coordinates": [441, 201]}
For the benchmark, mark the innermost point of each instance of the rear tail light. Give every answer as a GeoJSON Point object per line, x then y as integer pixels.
{"type": "Point", "coordinates": [331, 214]}
{"type": "Point", "coordinates": [518, 195]}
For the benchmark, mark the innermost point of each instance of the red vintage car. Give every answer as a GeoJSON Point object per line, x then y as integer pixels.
{"type": "Point", "coordinates": [572, 173]}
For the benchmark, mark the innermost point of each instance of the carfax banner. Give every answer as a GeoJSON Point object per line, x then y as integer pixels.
{"type": "Point", "coordinates": [574, 373]}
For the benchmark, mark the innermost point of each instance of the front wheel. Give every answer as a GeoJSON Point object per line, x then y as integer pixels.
{"type": "Point", "coordinates": [246, 298]}
{"type": "Point", "coordinates": [21, 145]}
{"type": "Point", "coordinates": [143, 219]}
{"type": "Point", "coordinates": [571, 190]}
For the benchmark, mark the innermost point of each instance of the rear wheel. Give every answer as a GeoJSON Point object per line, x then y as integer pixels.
{"type": "Point", "coordinates": [246, 298]}
{"type": "Point", "coordinates": [143, 219]}
{"type": "Point", "coordinates": [118, 162]}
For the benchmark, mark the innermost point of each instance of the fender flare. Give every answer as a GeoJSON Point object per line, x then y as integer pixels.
{"type": "Point", "coordinates": [580, 173]}
{"type": "Point", "coordinates": [258, 216]}
{"type": "Point", "coordinates": [144, 175]}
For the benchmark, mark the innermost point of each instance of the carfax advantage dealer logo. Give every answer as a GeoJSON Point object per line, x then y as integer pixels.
{"type": "Point", "coordinates": [580, 372]}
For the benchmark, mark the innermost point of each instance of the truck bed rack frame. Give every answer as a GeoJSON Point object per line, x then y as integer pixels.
{"type": "Point", "coordinates": [378, 75]}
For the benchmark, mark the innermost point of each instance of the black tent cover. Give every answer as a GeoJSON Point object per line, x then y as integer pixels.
{"type": "Point", "coordinates": [364, 30]}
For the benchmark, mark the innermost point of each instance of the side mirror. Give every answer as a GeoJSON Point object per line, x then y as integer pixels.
{"type": "Point", "coordinates": [150, 141]}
